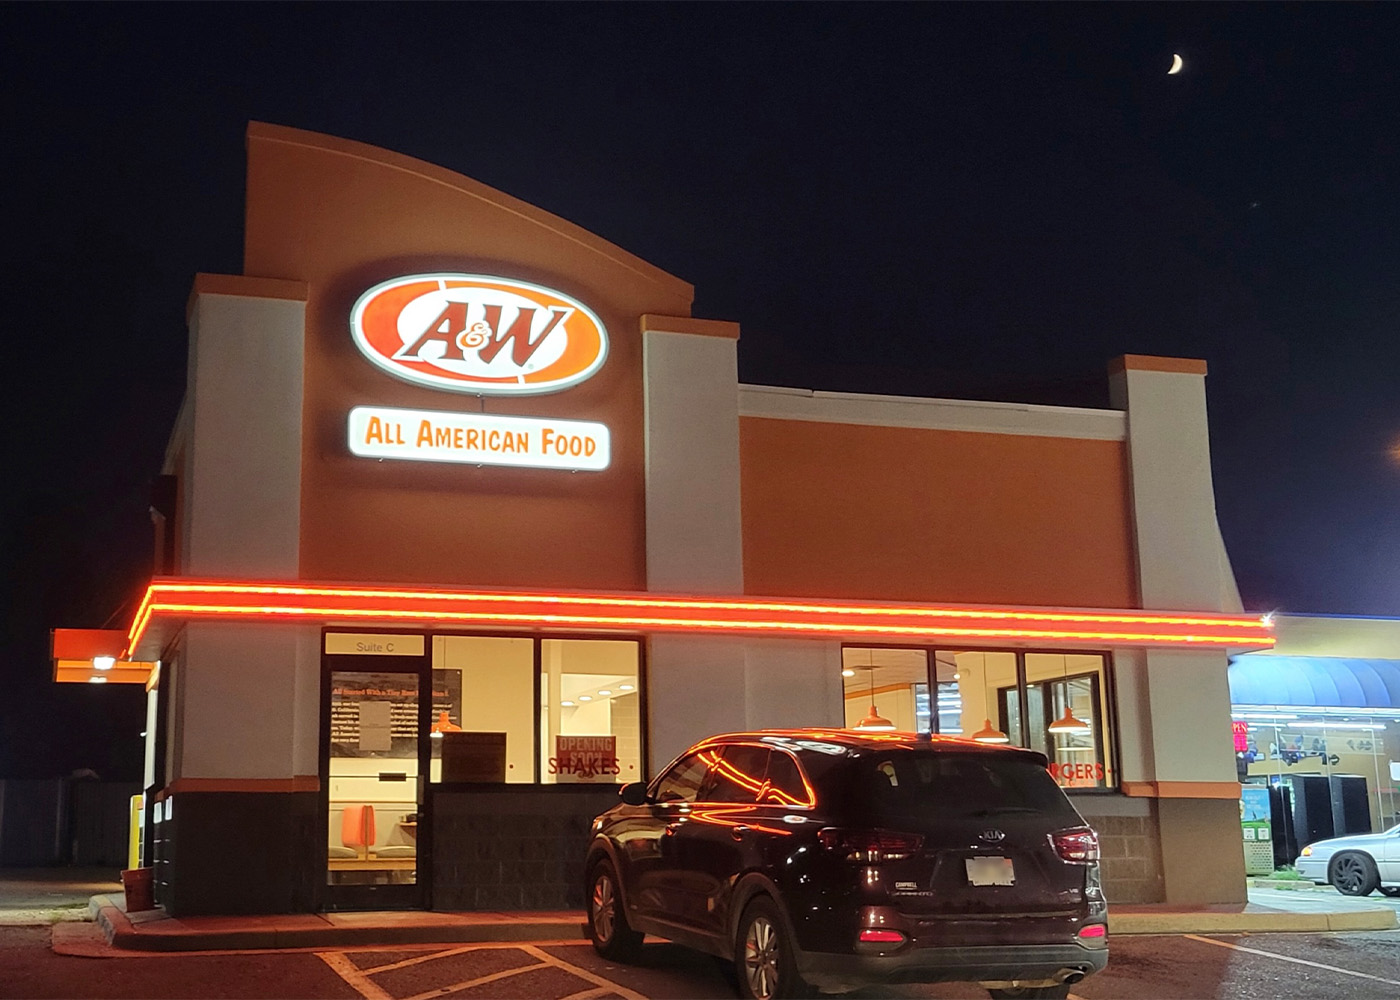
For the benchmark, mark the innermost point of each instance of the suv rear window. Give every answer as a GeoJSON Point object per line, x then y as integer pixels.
{"type": "Point", "coordinates": [932, 785]}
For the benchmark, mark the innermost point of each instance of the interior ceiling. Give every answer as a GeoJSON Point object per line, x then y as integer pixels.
{"type": "Point", "coordinates": [887, 666]}
{"type": "Point", "coordinates": [573, 685]}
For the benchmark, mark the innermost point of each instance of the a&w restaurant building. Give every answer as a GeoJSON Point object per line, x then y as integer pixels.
{"type": "Point", "coordinates": [466, 520]}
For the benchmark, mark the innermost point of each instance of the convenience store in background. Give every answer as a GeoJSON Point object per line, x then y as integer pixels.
{"type": "Point", "coordinates": [1316, 722]}
{"type": "Point", "coordinates": [466, 519]}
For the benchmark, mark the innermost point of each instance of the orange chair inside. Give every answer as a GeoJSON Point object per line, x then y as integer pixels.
{"type": "Point", "coordinates": [357, 827]}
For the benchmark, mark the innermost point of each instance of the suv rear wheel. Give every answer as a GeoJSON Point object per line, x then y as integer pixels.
{"type": "Point", "coordinates": [763, 955]}
{"type": "Point", "coordinates": [612, 936]}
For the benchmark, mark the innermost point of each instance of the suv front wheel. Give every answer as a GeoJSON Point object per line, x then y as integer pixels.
{"type": "Point", "coordinates": [613, 937]}
{"type": "Point", "coordinates": [763, 954]}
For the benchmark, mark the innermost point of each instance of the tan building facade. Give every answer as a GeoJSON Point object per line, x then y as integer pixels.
{"type": "Point", "coordinates": [469, 520]}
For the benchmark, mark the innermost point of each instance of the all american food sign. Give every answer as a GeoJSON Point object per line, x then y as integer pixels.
{"type": "Point", "coordinates": [486, 336]}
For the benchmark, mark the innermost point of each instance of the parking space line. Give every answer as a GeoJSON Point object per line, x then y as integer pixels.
{"type": "Point", "coordinates": [480, 981]}
{"type": "Point", "coordinates": [357, 980]}
{"type": "Point", "coordinates": [599, 991]}
{"type": "Point", "coordinates": [1289, 958]}
{"type": "Point", "coordinates": [426, 957]}
{"type": "Point", "coordinates": [598, 980]}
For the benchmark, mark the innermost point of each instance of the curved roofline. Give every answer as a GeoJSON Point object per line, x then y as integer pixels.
{"type": "Point", "coordinates": [473, 189]}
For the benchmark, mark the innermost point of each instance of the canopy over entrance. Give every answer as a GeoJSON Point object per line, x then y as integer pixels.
{"type": "Point", "coordinates": [1315, 682]}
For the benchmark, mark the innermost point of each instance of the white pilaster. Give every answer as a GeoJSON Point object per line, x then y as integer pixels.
{"type": "Point", "coordinates": [242, 475]}
{"type": "Point", "coordinates": [690, 386]}
{"type": "Point", "coordinates": [240, 709]}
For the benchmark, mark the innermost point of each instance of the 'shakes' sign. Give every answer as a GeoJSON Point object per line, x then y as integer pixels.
{"type": "Point", "coordinates": [478, 334]}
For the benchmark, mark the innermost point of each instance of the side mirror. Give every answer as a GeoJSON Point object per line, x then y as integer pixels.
{"type": "Point", "coordinates": [634, 793]}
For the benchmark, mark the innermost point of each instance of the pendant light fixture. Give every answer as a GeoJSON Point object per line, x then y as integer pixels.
{"type": "Point", "coordinates": [987, 734]}
{"type": "Point", "coordinates": [444, 725]}
{"type": "Point", "coordinates": [1067, 725]}
{"type": "Point", "coordinates": [873, 721]}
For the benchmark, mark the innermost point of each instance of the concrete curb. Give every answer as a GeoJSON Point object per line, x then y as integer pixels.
{"type": "Point", "coordinates": [315, 932]}
{"type": "Point", "coordinates": [155, 933]}
{"type": "Point", "coordinates": [1250, 923]}
{"type": "Point", "coordinates": [1288, 884]}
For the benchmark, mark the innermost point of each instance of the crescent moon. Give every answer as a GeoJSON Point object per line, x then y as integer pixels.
{"type": "Point", "coordinates": [1176, 65]}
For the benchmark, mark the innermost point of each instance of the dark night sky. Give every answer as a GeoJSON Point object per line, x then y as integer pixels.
{"type": "Point", "coordinates": [979, 201]}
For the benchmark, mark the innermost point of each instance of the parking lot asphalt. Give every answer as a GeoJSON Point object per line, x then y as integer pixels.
{"type": "Point", "coordinates": [1359, 965]}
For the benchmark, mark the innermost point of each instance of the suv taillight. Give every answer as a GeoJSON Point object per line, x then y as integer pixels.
{"type": "Point", "coordinates": [870, 846]}
{"type": "Point", "coordinates": [1079, 845]}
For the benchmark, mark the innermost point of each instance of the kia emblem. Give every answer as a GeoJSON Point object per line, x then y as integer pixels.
{"type": "Point", "coordinates": [993, 836]}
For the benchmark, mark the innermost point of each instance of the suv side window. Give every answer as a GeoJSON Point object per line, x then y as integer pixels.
{"type": "Point", "coordinates": [785, 784]}
{"type": "Point", "coordinates": [738, 776]}
{"type": "Point", "coordinates": [682, 783]}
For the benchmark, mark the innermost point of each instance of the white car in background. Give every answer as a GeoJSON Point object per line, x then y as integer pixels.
{"type": "Point", "coordinates": [1356, 865]}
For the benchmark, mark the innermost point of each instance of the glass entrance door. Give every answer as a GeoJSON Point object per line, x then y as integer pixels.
{"type": "Point", "coordinates": [375, 752]}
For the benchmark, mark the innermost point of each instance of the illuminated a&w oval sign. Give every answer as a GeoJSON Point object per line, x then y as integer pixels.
{"type": "Point", "coordinates": [479, 334]}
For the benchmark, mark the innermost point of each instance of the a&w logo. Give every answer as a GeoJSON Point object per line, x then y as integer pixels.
{"type": "Point", "coordinates": [478, 334]}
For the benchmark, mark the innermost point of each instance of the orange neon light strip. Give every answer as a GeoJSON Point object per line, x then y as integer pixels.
{"type": "Point", "coordinates": [181, 599]}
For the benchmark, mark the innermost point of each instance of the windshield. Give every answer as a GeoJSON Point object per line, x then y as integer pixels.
{"type": "Point", "coordinates": [930, 785]}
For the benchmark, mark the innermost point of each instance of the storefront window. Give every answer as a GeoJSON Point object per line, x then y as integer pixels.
{"type": "Point", "coordinates": [1348, 762]}
{"type": "Point", "coordinates": [483, 725]}
{"type": "Point", "coordinates": [1051, 702]}
{"type": "Point", "coordinates": [590, 711]}
{"type": "Point", "coordinates": [520, 710]}
{"type": "Point", "coordinates": [1064, 696]}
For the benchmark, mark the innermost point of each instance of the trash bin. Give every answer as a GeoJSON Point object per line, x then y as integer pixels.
{"type": "Point", "coordinates": [140, 889]}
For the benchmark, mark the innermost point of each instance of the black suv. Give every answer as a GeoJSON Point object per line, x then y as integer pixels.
{"type": "Point", "coordinates": [818, 859]}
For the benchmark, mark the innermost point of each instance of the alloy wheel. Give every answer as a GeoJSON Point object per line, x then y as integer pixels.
{"type": "Point", "coordinates": [1349, 875]}
{"type": "Point", "coordinates": [604, 901]}
{"type": "Point", "coordinates": [761, 958]}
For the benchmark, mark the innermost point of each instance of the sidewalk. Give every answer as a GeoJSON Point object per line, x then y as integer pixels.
{"type": "Point", "coordinates": [152, 930]}
{"type": "Point", "coordinates": [1268, 910]}
{"type": "Point", "coordinates": [51, 895]}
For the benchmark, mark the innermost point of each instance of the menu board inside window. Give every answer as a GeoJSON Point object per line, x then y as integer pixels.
{"type": "Point", "coordinates": [376, 714]}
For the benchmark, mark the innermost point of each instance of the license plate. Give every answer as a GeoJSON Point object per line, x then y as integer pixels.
{"type": "Point", "coordinates": [991, 871]}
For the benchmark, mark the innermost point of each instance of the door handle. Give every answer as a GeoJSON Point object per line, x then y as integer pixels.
{"type": "Point", "coordinates": [738, 832]}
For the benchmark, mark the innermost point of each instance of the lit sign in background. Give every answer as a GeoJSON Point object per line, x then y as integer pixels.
{"type": "Point", "coordinates": [486, 336]}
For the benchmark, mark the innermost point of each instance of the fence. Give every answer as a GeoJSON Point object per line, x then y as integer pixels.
{"type": "Point", "coordinates": [64, 821]}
